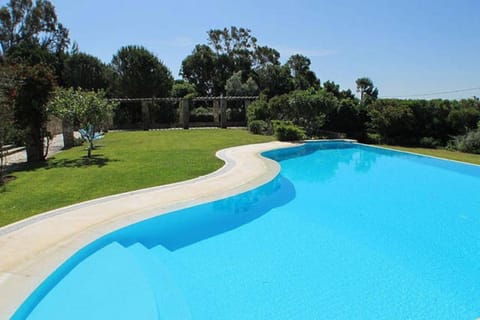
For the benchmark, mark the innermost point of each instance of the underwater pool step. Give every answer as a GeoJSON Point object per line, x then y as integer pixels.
{"type": "Point", "coordinates": [170, 301]}
{"type": "Point", "coordinates": [93, 291]}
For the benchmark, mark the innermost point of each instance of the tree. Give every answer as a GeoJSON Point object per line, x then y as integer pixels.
{"type": "Point", "coordinates": [347, 118]}
{"type": "Point", "coordinates": [464, 116]}
{"type": "Point", "coordinates": [303, 77]}
{"type": "Point", "coordinates": [309, 109]}
{"type": "Point", "coordinates": [22, 21]}
{"type": "Point", "coordinates": [241, 47]}
{"type": "Point", "coordinates": [265, 56]}
{"type": "Point", "coordinates": [181, 89]}
{"type": "Point", "coordinates": [229, 50]}
{"type": "Point", "coordinates": [332, 87]}
{"type": "Point", "coordinates": [138, 73]}
{"type": "Point", "coordinates": [392, 119]}
{"type": "Point", "coordinates": [235, 86]}
{"type": "Point", "coordinates": [31, 54]}
{"type": "Point", "coordinates": [200, 69]}
{"type": "Point", "coordinates": [274, 80]}
{"type": "Point", "coordinates": [93, 112]}
{"type": "Point", "coordinates": [62, 106]}
{"type": "Point", "coordinates": [89, 109]}
{"type": "Point", "coordinates": [32, 38]}
{"type": "Point", "coordinates": [30, 107]}
{"type": "Point", "coordinates": [368, 92]}
{"type": "Point", "coordinates": [230, 41]}
{"type": "Point", "coordinates": [8, 84]}
{"type": "Point", "coordinates": [85, 71]}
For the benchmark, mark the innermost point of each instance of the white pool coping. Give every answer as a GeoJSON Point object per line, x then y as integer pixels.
{"type": "Point", "coordinates": [33, 248]}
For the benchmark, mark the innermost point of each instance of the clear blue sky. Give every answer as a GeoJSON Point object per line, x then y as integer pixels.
{"type": "Point", "coordinates": [405, 46]}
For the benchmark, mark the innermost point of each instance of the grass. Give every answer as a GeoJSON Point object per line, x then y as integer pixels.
{"type": "Point", "coordinates": [440, 153]}
{"type": "Point", "coordinates": [123, 161]}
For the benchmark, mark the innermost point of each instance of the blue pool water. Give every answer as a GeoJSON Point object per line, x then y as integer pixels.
{"type": "Point", "coordinates": [345, 231]}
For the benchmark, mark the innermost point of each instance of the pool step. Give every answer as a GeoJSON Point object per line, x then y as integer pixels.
{"type": "Point", "coordinates": [170, 301]}
{"type": "Point", "coordinates": [109, 284]}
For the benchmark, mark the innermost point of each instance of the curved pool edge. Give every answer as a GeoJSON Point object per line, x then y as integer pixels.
{"type": "Point", "coordinates": [33, 248]}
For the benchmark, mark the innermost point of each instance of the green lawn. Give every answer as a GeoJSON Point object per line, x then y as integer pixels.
{"type": "Point", "coordinates": [124, 161]}
{"type": "Point", "coordinates": [453, 155]}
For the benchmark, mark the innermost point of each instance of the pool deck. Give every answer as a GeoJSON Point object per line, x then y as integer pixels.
{"type": "Point", "coordinates": [33, 248]}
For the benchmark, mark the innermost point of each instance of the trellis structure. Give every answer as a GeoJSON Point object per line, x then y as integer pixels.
{"type": "Point", "coordinates": [220, 105]}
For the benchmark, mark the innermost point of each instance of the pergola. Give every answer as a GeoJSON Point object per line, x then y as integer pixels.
{"type": "Point", "coordinates": [219, 107]}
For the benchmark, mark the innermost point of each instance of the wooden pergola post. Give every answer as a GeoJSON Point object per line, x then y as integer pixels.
{"type": "Point", "coordinates": [146, 114]}
{"type": "Point", "coordinates": [223, 112]}
{"type": "Point", "coordinates": [216, 112]}
{"type": "Point", "coordinates": [246, 103]}
{"type": "Point", "coordinates": [67, 131]}
{"type": "Point", "coordinates": [185, 113]}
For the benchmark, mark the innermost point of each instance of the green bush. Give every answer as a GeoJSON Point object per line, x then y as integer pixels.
{"type": "Point", "coordinates": [470, 142]}
{"type": "Point", "coordinates": [374, 138]}
{"type": "Point", "coordinates": [257, 110]}
{"type": "Point", "coordinates": [201, 114]}
{"type": "Point", "coordinates": [430, 142]}
{"type": "Point", "coordinates": [181, 90]}
{"type": "Point", "coordinates": [258, 127]}
{"type": "Point", "coordinates": [287, 131]}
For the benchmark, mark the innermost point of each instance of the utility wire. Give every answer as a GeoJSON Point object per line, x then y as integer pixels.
{"type": "Point", "coordinates": [433, 93]}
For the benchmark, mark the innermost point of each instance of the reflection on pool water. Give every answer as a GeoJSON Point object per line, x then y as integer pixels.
{"type": "Point", "coordinates": [345, 231]}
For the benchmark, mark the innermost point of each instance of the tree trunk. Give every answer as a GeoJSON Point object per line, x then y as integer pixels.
{"type": "Point", "coordinates": [67, 131]}
{"type": "Point", "coordinates": [2, 164]}
{"type": "Point", "coordinates": [216, 112]}
{"type": "Point", "coordinates": [146, 116]}
{"type": "Point", "coordinates": [223, 113]}
{"type": "Point", "coordinates": [34, 145]}
{"type": "Point", "coordinates": [185, 113]}
{"type": "Point", "coordinates": [90, 148]}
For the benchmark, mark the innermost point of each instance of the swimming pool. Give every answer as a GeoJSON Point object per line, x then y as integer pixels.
{"type": "Point", "coordinates": [345, 231]}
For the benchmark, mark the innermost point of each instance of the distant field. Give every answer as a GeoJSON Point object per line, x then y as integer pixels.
{"type": "Point", "coordinates": [452, 155]}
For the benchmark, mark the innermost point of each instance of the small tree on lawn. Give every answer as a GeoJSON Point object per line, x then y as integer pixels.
{"type": "Point", "coordinates": [90, 110]}
{"type": "Point", "coordinates": [94, 113]}
{"type": "Point", "coordinates": [62, 105]}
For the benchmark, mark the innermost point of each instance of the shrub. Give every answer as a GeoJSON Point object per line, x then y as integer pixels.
{"type": "Point", "coordinates": [469, 142]}
{"type": "Point", "coordinates": [309, 109]}
{"type": "Point", "coordinates": [287, 131]}
{"type": "Point", "coordinates": [374, 138]}
{"type": "Point", "coordinates": [181, 90]}
{"type": "Point", "coordinates": [257, 110]}
{"type": "Point", "coordinates": [201, 114]}
{"type": "Point", "coordinates": [430, 142]}
{"type": "Point", "coordinates": [258, 127]}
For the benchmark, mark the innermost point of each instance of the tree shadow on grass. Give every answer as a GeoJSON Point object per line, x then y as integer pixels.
{"type": "Point", "coordinates": [96, 160]}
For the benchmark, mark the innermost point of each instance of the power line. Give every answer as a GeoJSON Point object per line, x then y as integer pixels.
{"type": "Point", "coordinates": [434, 93]}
